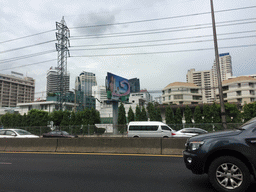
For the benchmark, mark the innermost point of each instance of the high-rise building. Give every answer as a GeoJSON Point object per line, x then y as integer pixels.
{"type": "Point", "coordinates": [225, 70]}
{"type": "Point", "coordinates": [85, 81]}
{"type": "Point", "coordinates": [204, 80]}
{"type": "Point", "coordinates": [134, 85]}
{"type": "Point", "coordinates": [53, 81]}
{"type": "Point", "coordinates": [15, 90]}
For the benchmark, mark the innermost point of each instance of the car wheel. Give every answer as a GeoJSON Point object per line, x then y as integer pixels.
{"type": "Point", "coordinates": [229, 174]}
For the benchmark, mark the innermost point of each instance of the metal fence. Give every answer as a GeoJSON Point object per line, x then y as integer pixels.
{"type": "Point", "coordinates": [107, 129]}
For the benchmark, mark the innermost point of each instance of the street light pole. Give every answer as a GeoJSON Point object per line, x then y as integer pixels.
{"type": "Point", "coordinates": [222, 106]}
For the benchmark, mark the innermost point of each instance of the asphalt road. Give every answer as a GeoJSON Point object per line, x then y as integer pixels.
{"type": "Point", "coordinates": [64, 172]}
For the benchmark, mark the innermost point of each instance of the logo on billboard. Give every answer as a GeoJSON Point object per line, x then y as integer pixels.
{"type": "Point", "coordinates": [117, 87]}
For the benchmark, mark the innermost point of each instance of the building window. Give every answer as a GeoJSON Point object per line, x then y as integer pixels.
{"type": "Point", "coordinates": [239, 100]}
{"type": "Point", "coordinates": [252, 99]}
{"type": "Point", "coordinates": [181, 102]}
{"type": "Point", "coordinates": [196, 97]}
{"type": "Point", "coordinates": [252, 92]}
{"type": "Point", "coordinates": [239, 85]}
{"type": "Point", "coordinates": [169, 97]}
{"type": "Point", "coordinates": [238, 93]}
{"type": "Point", "coordinates": [194, 90]}
{"type": "Point", "coordinates": [251, 85]}
{"type": "Point", "coordinates": [163, 98]}
{"type": "Point", "coordinates": [176, 97]}
{"type": "Point", "coordinates": [170, 90]}
{"type": "Point", "coordinates": [225, 88]}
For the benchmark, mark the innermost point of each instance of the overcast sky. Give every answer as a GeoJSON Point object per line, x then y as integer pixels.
{"type": "Point", "coordinates": [168, 27]}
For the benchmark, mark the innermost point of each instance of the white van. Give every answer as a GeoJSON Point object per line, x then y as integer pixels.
{"type": "Point", "coordinates": [149, 129]}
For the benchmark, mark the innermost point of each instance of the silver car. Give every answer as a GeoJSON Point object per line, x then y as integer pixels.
{"type": "Point", "coordinates": [16, 133]}
{"type": "Point", "coordinates": [189, 132]}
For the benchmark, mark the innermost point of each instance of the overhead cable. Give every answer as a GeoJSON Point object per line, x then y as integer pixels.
{"type": "Point", "coordinates": [27, 36]}
{"type": "Point", "coordinates": [162, 52]}
{"type": "Point", "coordinates": [28, 65]}
{"type": "Point", "coordinates": [163, 18]}
{"type": "Point", "coordinates": [163, 44]}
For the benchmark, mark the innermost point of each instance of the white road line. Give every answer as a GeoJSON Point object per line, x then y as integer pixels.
{"type": "Point", "coordinates": [5, 163]}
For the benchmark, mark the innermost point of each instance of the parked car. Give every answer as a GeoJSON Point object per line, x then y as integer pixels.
{"type": "Point", "coordinates": [16, 133]}
{"type": "Point", "coordinates": [228, 157]}
{"type": "Point", "coordinates": [149, 129]}
{"type": "Point", "coordinates": [59, 134]}
{"type": "Point", "coordinates": [189, 132]}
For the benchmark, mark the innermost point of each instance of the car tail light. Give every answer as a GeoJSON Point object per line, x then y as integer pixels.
{"type": "Point", "coordinates": [173, 134]}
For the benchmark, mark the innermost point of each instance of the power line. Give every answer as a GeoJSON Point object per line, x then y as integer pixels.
{"type": "Point", "coordinates": [157, 32]}
{"type": "Point", "coordinates": [27, 36]}
{"type": "Point", "coordinates": [28, 46]}
{"type": "Point", "coordinates": [162, 52]}
{"type": "Point", "coordinates": [163, 44]}
{"type": "Point", "coordinates": [163, 18]}
{"type": "Point", "coordinates": [151, 30]}
{"type": "Point", "coordinates": [160, 40]}
{"type": "Point", "coordinates": [25, 56]}
{"type": "Point", "coordinates": [28, 65]}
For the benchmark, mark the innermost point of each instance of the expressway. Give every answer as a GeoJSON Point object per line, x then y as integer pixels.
{"type": "Point", "coordinates": [23, 172]}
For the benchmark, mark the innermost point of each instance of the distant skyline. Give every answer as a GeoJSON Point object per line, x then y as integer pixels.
{"type": "Point", "coordinates": [155, 41]}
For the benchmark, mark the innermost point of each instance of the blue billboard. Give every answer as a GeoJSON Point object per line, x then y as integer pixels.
{"type": "Point", "coordinates": [117, 87]}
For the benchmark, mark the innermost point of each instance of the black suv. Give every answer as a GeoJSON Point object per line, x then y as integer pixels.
{"type": "Point", "coordinates": [228, 157]}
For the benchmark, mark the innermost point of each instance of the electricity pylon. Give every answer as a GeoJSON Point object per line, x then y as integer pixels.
{"type": "Point", "coordinates": [62, 47]}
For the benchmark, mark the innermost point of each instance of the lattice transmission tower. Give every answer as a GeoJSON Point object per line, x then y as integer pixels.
{"type": "Point", "coordinates": [63, 52]}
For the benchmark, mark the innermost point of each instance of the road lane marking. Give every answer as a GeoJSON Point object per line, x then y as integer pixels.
{"type": "Point", "coordinates": [5, 163]}
{"type": "Point", "coordinates": [106, 154]}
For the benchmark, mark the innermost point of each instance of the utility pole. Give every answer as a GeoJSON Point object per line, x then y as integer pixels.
{"type": "Point", "coordinates": [222, 106]}
{"type": "Point", "coordinates": [62, 47]}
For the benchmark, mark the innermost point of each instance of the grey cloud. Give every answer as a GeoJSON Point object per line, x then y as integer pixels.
{"type": "Point", "coordinates": [93, 19]}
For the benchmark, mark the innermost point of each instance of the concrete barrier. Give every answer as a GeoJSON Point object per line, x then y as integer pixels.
{"type": "Point", "coordinates": [33, 144]}
{"type": "Point", "coordinates": [173, 146]}
{"type": "Point", "coordinates": [157, 146]}
{"type": "Point", "coordinates": [110, 145]}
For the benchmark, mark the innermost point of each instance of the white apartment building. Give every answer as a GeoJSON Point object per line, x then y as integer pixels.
{"type": "Point", "coordinates": [182, 93]}
{"type": "Point", "coordinates": [48, 106]}
{"type": "Point", "coordinates": [240, 89]}
{"type": "Point", "coordinates": [225, 70]}
{"type": "Point", "coordinates": [15, 90]}
{"type": "Point", "coordinates": [53, 81]}
{"type": "Point", "coordinates": [203, 79]}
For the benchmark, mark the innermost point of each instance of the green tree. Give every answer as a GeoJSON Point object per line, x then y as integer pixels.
{"type": "Point", "coordinates": [143, 114]}
{"type": "Point", "coordinates": [137, 113]}
{"type": "Point", "coordinates": [178, 116]}
{"type": "Point", "coordinates": [233, 115]}
{"type": "Point", "coordinates": [66, 119]}
{"type": "Point", "coordinates": [169, 115]}
{"type": "Point", "coordinates": [216, 113]}
{"type": "Point", "coordinates": [130, 115]}
{"type": "Point", "coordinates": [248, 111]}
{"type": "Point", "coordinates": [158, 114]}
{"type": "Point", "coordinates": [151, 111]}
{"type": "Point", "coordinates": [56, 117]}
{"type": "Point", "coordinates": [188, 115]}
{"type": "Point", "coordinates": [207, 114]}
{"type": "Point", "coordinates": [73, 118]}
{"type": "Point", "coordinates": [6, 120]}
{"type": "Point", "coordinates": [198, 115]}
{"type": "Point", "coordinates": [121, 115]}
{"type": "Point", "coordinates": [86, 114]}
